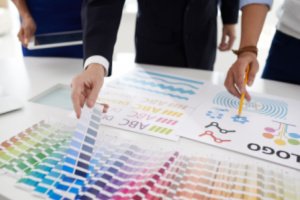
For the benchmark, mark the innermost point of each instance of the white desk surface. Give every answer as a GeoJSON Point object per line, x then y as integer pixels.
{"type": "Point", "coordinates": [31, 76]}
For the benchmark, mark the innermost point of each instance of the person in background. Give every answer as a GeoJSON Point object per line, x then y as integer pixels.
{"type": "Point", "coordinates": [179, 33]}
{"type": "Point", "coordinates": [283, 61]}
{"type": "Point", "coordinates": [49, 16]}
{"type": "Point", "coordinates": [5, 24]}
{"type": "Point", "coordinates": [253, 17]}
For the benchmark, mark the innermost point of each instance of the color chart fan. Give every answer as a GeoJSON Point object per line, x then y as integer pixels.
{"type": "Point", "coordinates": [61, 161]}
{"type": "Point", "coordinates": [149, 102]}
{"type": "Point", "coordinates": [93, 165]}
{"type": "Point", "coordinates": [23, 152]}
{"type": "Point", "coordinates": [72, 164]}
{"type": "Point", "coordinates": [269, 127]}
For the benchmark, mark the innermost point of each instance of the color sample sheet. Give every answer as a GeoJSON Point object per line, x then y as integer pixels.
{"type": "Point", "coordinates": [168, 106]}
{"type": "Point", "coordinates": [150, 103]}
{"type": "Point", "coordinates": [269, 127]}
{"type": "Point", "coordinates": [57, 162]}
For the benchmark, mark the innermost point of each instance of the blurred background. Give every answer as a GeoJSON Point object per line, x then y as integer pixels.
{"type": "Point", "coordinates": [124, 49]}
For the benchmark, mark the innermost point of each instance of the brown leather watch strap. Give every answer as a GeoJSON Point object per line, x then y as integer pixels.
{"type": "Point", "coordinates": [252, 49]}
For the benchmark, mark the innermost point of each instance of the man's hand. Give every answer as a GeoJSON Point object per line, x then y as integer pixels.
{"type": "Point", "coordinates": [235, 76]}
{"type": "Point", "coordinates": [27, 30]}
{"type": "Point", "coordinates": [228, 37]}
{"type": "Point", "coordinates": [86, 87]}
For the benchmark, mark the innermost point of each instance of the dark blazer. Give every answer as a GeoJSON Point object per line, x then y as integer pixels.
{"type": "Point", "coordinates": [168, 32]}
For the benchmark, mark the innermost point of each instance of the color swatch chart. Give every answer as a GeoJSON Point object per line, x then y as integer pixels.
{"type": "Point", "coordinates": [23, 152]}
{"type": "Point", "coordinates": [52, 161]}
{"type": "Point", "coordinates": [148, 115]}
{"type": "Point", "coordinates": [170, 107]}
{"type": "Point", "coordinates": [149, 102]}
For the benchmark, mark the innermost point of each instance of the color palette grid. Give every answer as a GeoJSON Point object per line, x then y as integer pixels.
{"type": "Point", "coordinates": [54, 162]}
{"type": "Point", "coordinates": [70, 166]}
{"type": "Point", "coordinates": [127, 171]}
{"type": "Point", "coordinates": [21, 153]}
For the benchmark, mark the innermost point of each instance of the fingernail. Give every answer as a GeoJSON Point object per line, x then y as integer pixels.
{"type": "Point", "coordinates": [250, 83]}
{"type": "Point", "coordinates": [90, 103]}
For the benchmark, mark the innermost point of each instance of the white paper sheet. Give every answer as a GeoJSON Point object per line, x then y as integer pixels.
{"type": "Point", "coordinates": [150, 103]}
{"type": "Point", "coordinates": [269, 127]}
{"type": "Point", "coordinates": [169, 106]}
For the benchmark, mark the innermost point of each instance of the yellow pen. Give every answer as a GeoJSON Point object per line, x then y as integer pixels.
{"type": "Point", "coordinates": [243, 94]}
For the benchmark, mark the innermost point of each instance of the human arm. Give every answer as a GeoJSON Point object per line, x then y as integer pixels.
{"type": "Point", "coordinates": [253, 18]}
{"type": "Point", "coordinates": [86, 87]}
{"type": "Point", "coordinates": [100, 22]}
{"type": "Point", "coordinates": [28, 26]}
{"type": "Point", "coordinates": [229, 12]}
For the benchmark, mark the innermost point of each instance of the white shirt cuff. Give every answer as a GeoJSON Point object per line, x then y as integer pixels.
{"type": "Point", "coordinates": [247, 2]}
{"type": "Point", "coordinates": [97, 60]}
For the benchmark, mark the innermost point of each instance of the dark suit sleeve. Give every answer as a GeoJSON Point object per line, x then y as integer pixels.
{"type": "Point", "coordinates": [229, 11]}
{"type": "Point", "coordinates": [100, 22]}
